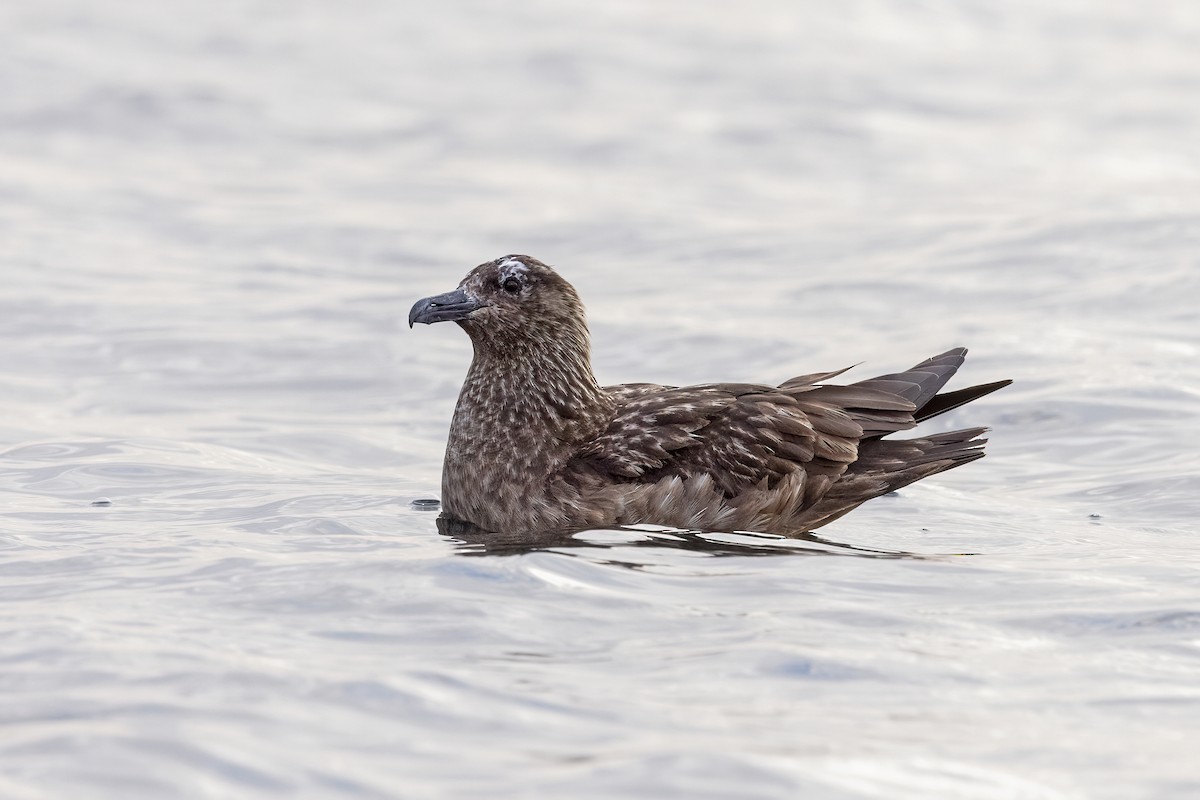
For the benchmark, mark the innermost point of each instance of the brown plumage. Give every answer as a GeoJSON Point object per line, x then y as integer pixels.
{"type": "Point", "coordinates": [536, 444]}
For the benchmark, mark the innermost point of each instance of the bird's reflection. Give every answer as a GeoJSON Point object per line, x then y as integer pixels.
{"type": "Point", "coordinates": [475, 541]}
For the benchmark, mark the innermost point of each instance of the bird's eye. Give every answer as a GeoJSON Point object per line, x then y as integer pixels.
{"type": "Point", "coordinates": [511, 285]}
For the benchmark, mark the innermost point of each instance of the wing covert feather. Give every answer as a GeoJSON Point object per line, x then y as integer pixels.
{"type": "Point", "coordinates": [739, 434]}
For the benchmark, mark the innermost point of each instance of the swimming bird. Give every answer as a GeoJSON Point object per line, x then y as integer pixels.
{"type": "Point", "coordinates": [537, 444]}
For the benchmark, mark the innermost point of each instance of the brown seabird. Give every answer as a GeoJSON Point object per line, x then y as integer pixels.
{"type": "Point", "coordinates": [536, 444]}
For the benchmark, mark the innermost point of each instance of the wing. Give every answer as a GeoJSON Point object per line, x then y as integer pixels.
{"type": "Point", "coordinates": [745, 456]}
{"type": "Point", "coordinates": [743, 435]}
{"type": "Point", "coordinates": [651, 425]}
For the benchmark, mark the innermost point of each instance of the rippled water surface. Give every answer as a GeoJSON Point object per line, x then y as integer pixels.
{"type": "Point", "coordinates": [214, 218]}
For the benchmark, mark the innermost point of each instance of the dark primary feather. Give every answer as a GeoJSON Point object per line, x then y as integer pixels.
{"type": "Point", "coordinates": [537, 444]}
{"type": "Point", "coordinates": [948, 401]}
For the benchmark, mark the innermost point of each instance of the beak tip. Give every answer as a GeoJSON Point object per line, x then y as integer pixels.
{"type": "Point", "coordinates": [451, 306]}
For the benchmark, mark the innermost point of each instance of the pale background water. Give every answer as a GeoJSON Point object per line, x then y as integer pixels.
{"type": "Point", "coordinates": [214, 217]}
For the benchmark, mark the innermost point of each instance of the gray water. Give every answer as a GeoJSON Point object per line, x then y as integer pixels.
{"type": "Point", "coordinates": [214, 218]}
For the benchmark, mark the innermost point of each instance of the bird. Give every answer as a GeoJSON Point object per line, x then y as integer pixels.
{"type": "Point", "coordinates": [536, 444]}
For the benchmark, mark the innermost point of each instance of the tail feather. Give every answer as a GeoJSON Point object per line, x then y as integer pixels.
{"type": "Point", "coordinates": [885, 465]}
{"type": "Point", "coordinates": [893, 459]}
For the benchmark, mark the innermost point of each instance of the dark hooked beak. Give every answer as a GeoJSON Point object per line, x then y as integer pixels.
{"type": "Point", "coordinates": [448, 307]}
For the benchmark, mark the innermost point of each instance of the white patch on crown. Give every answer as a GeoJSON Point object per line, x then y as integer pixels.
{"type": "Point", "coordinates": [511, 266]}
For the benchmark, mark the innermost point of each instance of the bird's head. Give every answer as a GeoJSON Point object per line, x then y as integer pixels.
{"type": "Point", "coordinates": [512, 302]}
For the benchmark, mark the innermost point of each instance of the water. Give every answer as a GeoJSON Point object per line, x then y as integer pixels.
{"type": "Point", "coordinates": [214, 218]}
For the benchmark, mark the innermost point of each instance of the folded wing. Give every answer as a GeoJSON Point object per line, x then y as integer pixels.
{"type": "Point", "coordinates": [803, 435]}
